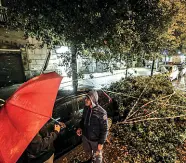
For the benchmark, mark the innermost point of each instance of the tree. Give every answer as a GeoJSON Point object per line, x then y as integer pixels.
{"type": "Point", "coordinates": [175, 37]}
{"type": "Point", "coordinates": [153, 123]}
{"type": "Point", "coordinates": [121, 26]}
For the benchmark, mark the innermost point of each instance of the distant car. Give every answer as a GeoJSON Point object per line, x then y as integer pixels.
{"type": "Point", "coordinates": [182, 70]}
{"type": "Point", "coordinates": [171, 70]}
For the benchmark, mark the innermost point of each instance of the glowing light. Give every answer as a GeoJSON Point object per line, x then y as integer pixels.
{"type": "Point", "coordinates": [62, 49]}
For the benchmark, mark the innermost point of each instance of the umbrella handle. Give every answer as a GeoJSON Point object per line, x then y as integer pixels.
{"type": "Point", "coordinates": [59, 123]}
{"type": "Point", "coordinates": [2, 101]}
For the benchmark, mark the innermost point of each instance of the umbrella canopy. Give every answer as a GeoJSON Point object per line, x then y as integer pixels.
{"type": "Point", "coordinates": [24, 113]}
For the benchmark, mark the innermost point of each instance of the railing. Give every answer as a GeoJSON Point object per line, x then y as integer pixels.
{"type": "Point", "coordinates": [3, 14]}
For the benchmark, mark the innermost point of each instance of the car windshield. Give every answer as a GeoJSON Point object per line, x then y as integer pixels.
{"type": "Point", "coordinates": [165, 69]}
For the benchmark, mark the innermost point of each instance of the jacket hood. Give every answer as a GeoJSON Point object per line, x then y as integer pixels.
{"type": "Point", "coordinates": [93, 96]}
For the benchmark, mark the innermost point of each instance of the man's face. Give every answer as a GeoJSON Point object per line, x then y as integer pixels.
{"type": "Point", "coordinates": [88, 102]}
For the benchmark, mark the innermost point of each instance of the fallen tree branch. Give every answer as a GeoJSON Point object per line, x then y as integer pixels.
{"type": "Point", "coordinates": [151, 119]}
{"type": "Point", "coordinates": [120, 93]}
{"type": "Point", "coordinates": [128, 116]}
{"type": "Point", "coordinates": [142, 116]}
{"type": "Point", "coordinates": [179, 106]}
{"type": "Point", "coordinates": [152, 102]}
{"type": "Point", "coordinates": [155, 111]}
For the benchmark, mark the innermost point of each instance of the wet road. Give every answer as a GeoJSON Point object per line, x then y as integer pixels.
{"type": "Point", "coordinates": [99, 80]}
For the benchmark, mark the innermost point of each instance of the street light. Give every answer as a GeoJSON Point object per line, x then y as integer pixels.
{"type": "Point", "coordinates": [62, 49]}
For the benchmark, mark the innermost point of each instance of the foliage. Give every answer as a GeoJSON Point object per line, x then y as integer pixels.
{"type": "Point", "coordinates": [119, 27]}
{"type": "Point", "coordinates": [153, 123]}
{"type": "Point", "coordinates": [175, 37]}
{"type": "Point", "coordinates": [116, 25]}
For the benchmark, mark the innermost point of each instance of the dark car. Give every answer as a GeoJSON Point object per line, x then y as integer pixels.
{"type": "Point", "coordinates": [68, 108]}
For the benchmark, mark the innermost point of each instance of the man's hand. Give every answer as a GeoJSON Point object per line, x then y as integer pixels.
{"type": "Point", "coordinates": [62, 125]}
{"type": "Point", "coordinates": [57, 128]}
{"type": "Point", "coordinates": [79, 132]}
{"type": "Point", "coordinates": [100, 147]}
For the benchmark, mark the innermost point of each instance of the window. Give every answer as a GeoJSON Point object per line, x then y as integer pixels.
{"type": "Point", "coordinates": [77, 107]}
{"type": "Point", "coordinates": [62, 110]}
{"type": "Point", "coordinates": [11, 69]}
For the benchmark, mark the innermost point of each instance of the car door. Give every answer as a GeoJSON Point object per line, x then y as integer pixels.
{"type": "Point", "coordinates": [63, 143]}
{"type": "Point", "coordinates": [173, 73]}
{"type": "Point", "coordinates": [176, 71]}
{"type": "Point", "coordinates": [70, 112]}
{"type": "Point", "coordinates": [184, 70]}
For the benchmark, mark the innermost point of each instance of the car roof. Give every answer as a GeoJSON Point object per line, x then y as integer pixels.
{"type": "Point", "coordinates": [71, 96]}
{"type": "Point", "coordinates": [66, 97]}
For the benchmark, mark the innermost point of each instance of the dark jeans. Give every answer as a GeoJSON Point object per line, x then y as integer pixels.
{"type": "Point", "coordinates": [91, 148]}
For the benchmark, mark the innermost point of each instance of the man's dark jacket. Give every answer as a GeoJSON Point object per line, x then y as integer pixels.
{"type": "Point", "coordinates": [41, 148]}
{"type": "Point", "coordinates": [94, 120]}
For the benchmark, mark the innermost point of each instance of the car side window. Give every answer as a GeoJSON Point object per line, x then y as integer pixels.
{"type": "Point", "coordinates": [75, 106]}
{"type": "Point", "coordinates": [81, 104]}
{"type": "Point", "coordinates": [61, 110]}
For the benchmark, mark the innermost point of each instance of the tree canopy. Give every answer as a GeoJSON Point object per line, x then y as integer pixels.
{"type": "Point", "coordinates": [175, 37]}
{"type": "Point", "coordinates": [118, 25]}
{"type": "Point", "coordinates": [121, 27]}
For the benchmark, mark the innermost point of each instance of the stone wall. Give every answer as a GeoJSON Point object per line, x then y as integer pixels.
{"type": "Point", "coordinates": [37, 59]}
{"type": "Point", "coordinates": [34, 58]}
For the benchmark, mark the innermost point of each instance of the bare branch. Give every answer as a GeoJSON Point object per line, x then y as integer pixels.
{"type": "Point", "coordinates": [119, 93]}
{"type": "Point", "coordinates": [151, 119]}
{"type": "Point", "coordinates": [128, 116]}
{"type": "Point", "coordinates": [152, 102]}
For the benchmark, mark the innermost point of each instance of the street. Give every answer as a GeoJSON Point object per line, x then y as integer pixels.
{"type": "Point", "coordinates": [104, 79]}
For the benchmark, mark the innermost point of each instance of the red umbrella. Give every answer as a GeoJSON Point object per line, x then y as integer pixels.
{"type": "Point", "coordinates": [24, 113]}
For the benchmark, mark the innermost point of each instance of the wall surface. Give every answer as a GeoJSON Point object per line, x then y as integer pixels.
{"type": "Point", "coordinates": [36, 58]}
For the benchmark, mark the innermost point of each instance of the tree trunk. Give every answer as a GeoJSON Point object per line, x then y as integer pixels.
{"type": "Point", "coordinates": [46, 62]}
{"type": "Point", "coordinates": [152, 68]}
{"type": "Point", "coordinates": [96, 65]}
{"type": "Point", "coordinates": [126, 72]}
{"type": "Point", "coordinates": [74, 69]}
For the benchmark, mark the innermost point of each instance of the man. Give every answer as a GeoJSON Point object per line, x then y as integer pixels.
{"type": "Point", "coordinates": [41, 149]}
{"type": "Point", "coordinates": [93, 127]}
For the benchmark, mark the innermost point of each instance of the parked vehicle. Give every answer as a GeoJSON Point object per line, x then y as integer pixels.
{"type": "Point", "coordinates": [182, 70]}
{"type": "Point", "coordinates": [178, 59]}
{"type": "Point", "coordinates": [171, 70]}
{"type": "Point", "coordinates": [69, 108]}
